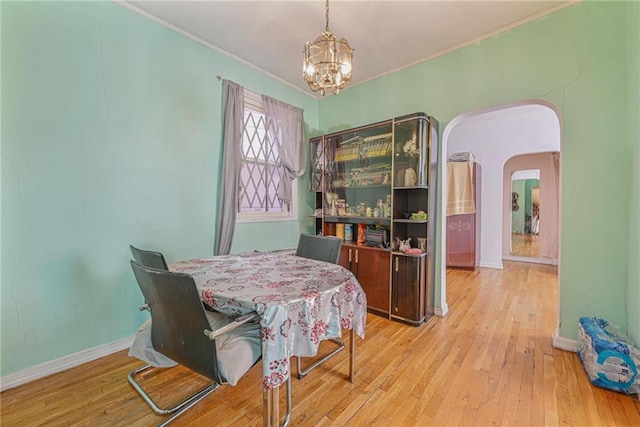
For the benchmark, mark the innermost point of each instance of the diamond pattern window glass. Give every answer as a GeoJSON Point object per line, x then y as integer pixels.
{"type": "Point", "coordinates": [259, 175]}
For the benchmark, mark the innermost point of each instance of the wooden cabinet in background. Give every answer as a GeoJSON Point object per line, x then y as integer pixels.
{"type": "Point", "coordinates": [462, 233]}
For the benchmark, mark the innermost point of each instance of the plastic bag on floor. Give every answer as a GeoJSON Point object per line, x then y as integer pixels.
{"type": "Point", "coordinates": [609, 358]}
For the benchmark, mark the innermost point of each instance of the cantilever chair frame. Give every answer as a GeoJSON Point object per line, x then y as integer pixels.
{"type": "Point", "coordinates": [189, 291]}
{"type": "Point", "coordinates": [321, 248]}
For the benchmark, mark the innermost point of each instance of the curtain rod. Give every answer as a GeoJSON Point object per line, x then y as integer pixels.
{"type": "Point", "coordinates": [257, 94]}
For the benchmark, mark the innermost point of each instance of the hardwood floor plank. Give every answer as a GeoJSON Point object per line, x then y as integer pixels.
{"type": "Point", "coordinates": [489, 362]}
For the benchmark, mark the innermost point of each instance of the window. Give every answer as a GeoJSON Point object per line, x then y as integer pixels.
{"type": "Point", "coordinates": [259, 177]}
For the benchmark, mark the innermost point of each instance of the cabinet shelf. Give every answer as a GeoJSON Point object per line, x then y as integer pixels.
{"type": "Point", "coordinates": [356, 158]}
{"type": "Point", "coordinates": [346, 187]}
{"type": "Point", "coordinates": [358, 219]}
{"type": "Point", "coordinates": [411, 221]}
{"type": "Point", "coordinates": [355, 246]}
{"type": "Point", "coordinates": [421, 187]}
{"type": "Point", "coordinates": [399, 253]}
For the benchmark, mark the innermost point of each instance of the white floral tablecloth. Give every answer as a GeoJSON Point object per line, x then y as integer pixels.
{"type": "Point", "coordinates": [300, 301]}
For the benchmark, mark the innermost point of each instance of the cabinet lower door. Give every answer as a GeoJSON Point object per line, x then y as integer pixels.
{"type": "Point", "coordinates": [407, 289]}
{"type": "Point", "coordinates": [461, 241]}
{"type": "Point", "coordinates": [346, 255]}
{"type": "Point", "coordinates": [372, 271]}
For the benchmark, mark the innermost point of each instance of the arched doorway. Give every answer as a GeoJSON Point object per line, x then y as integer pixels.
{"type": "Point", "coordinates": [493, 135]}
{"type": "Point", "coordinates": [534, 179]}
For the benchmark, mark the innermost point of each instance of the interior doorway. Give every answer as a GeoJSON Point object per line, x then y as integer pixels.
{"type": "Point", "coordinates": [531, 225]}
{"type": "Point", "coordinates": [495, 136]}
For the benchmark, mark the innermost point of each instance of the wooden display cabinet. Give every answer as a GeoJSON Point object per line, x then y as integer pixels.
{"type": "Point", "coordinates": [376, 177]}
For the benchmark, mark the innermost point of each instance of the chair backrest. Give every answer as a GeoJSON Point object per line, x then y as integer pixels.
{"type": "Point", "coordinates": [321, 248]}
{"type": "Point", "coordinates": [178, 319]}
{"type": "Point", "coordinates": [149, 258]}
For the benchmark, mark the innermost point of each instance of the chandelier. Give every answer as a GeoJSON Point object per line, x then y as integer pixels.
{"type": "Point", "coordinates": [327, 61]}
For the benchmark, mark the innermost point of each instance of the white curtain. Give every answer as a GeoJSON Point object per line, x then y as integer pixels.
{"type": "Point", "coordinates": [228, 198]}
{"type": "Point", "coordinates": [285, 124]}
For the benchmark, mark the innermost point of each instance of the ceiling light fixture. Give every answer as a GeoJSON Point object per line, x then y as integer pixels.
{"type": "Point", "coordinates": [328, 62]}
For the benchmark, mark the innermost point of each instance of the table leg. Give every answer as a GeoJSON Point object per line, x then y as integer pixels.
{"type": "Point", "coordinates": [352, 356]}
{"type": "Point", "coordinates": [266, 406]}
{"type": "Point", "coordinates": [271, 407]}
{"type": "Point", "coordinates": [275, 406]}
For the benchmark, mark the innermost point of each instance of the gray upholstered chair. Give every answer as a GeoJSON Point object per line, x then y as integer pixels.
{"type": "Point", "coordinates": [149, 258]}
{"type": "Point", "coordinates": [210, 344]}
{"type": "Point", "coordinates": [321, 248]}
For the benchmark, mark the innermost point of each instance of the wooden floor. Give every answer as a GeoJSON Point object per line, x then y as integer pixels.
{"type": "Point", "coordinates": [524, 245]}
{"type": "Point", "coordinates": [488, 362]}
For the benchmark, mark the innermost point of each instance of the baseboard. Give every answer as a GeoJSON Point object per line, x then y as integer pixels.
{"type": "Point", "coordinates": [565, 344]}
{"type": "Point", "coordinates": [63, 363]}
{"type": "Point", "coordinates": [441, 311]}
{"type": "Point", "coordinates": [532, 260]}
{"type": "Point", "coordinates": [490, 265]}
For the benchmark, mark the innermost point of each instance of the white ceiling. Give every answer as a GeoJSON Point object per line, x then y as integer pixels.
{"type": "Point", "coordinates": [387, 35]}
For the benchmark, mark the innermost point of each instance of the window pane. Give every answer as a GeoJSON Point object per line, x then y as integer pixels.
{"type": "Point", "coordinates": [259, 176]}
{"type": "Point", "coordinates": [252, 180]}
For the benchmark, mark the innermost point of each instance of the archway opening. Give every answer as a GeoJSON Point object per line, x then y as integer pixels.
{"type": "Point", "coordinates": [493, 136]}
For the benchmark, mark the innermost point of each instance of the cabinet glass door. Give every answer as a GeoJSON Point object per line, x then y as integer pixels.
{"type": "Point", "coordinates": [411, 156]}
{"type": "Point", "coordinates": [358, 167]}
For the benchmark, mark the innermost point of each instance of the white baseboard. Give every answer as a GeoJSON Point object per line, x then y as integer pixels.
{"type": "Point", "coordinates": [565, 344]}
{"type": "Point", "coordinates": [532, 260]}
{"type": "Point", "coordinates": [490, 265]}
{"type": "Point", "coordinates": [63, 363]}
{"type": "Point", "coordinates": [441, 311]}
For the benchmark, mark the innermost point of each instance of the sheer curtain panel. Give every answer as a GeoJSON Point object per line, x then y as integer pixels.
{"type": "Point", "coordinates": [285, 124]}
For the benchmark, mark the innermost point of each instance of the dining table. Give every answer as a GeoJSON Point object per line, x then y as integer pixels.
{"type": "Point", "coordinates": [300, 302]}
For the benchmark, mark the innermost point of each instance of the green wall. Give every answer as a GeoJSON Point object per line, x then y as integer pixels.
{"type": "Point", "coordinates": [633, 292]}
{"type": "Point", "coordinates": [576, 59]}
{"type": "Point", "coordinates": [111, 136]}
{"type": "Point", "coordinates": [529, 185]}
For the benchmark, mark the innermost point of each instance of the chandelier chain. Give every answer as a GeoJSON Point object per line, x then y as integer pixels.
{"type": "Point", "coordinates": [326, 7]}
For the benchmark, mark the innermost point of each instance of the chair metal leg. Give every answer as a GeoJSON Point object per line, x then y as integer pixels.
{"type": "Point", "coordinates": [180, 407]}
{"type": "Point", "coordinates": [303, 372]}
